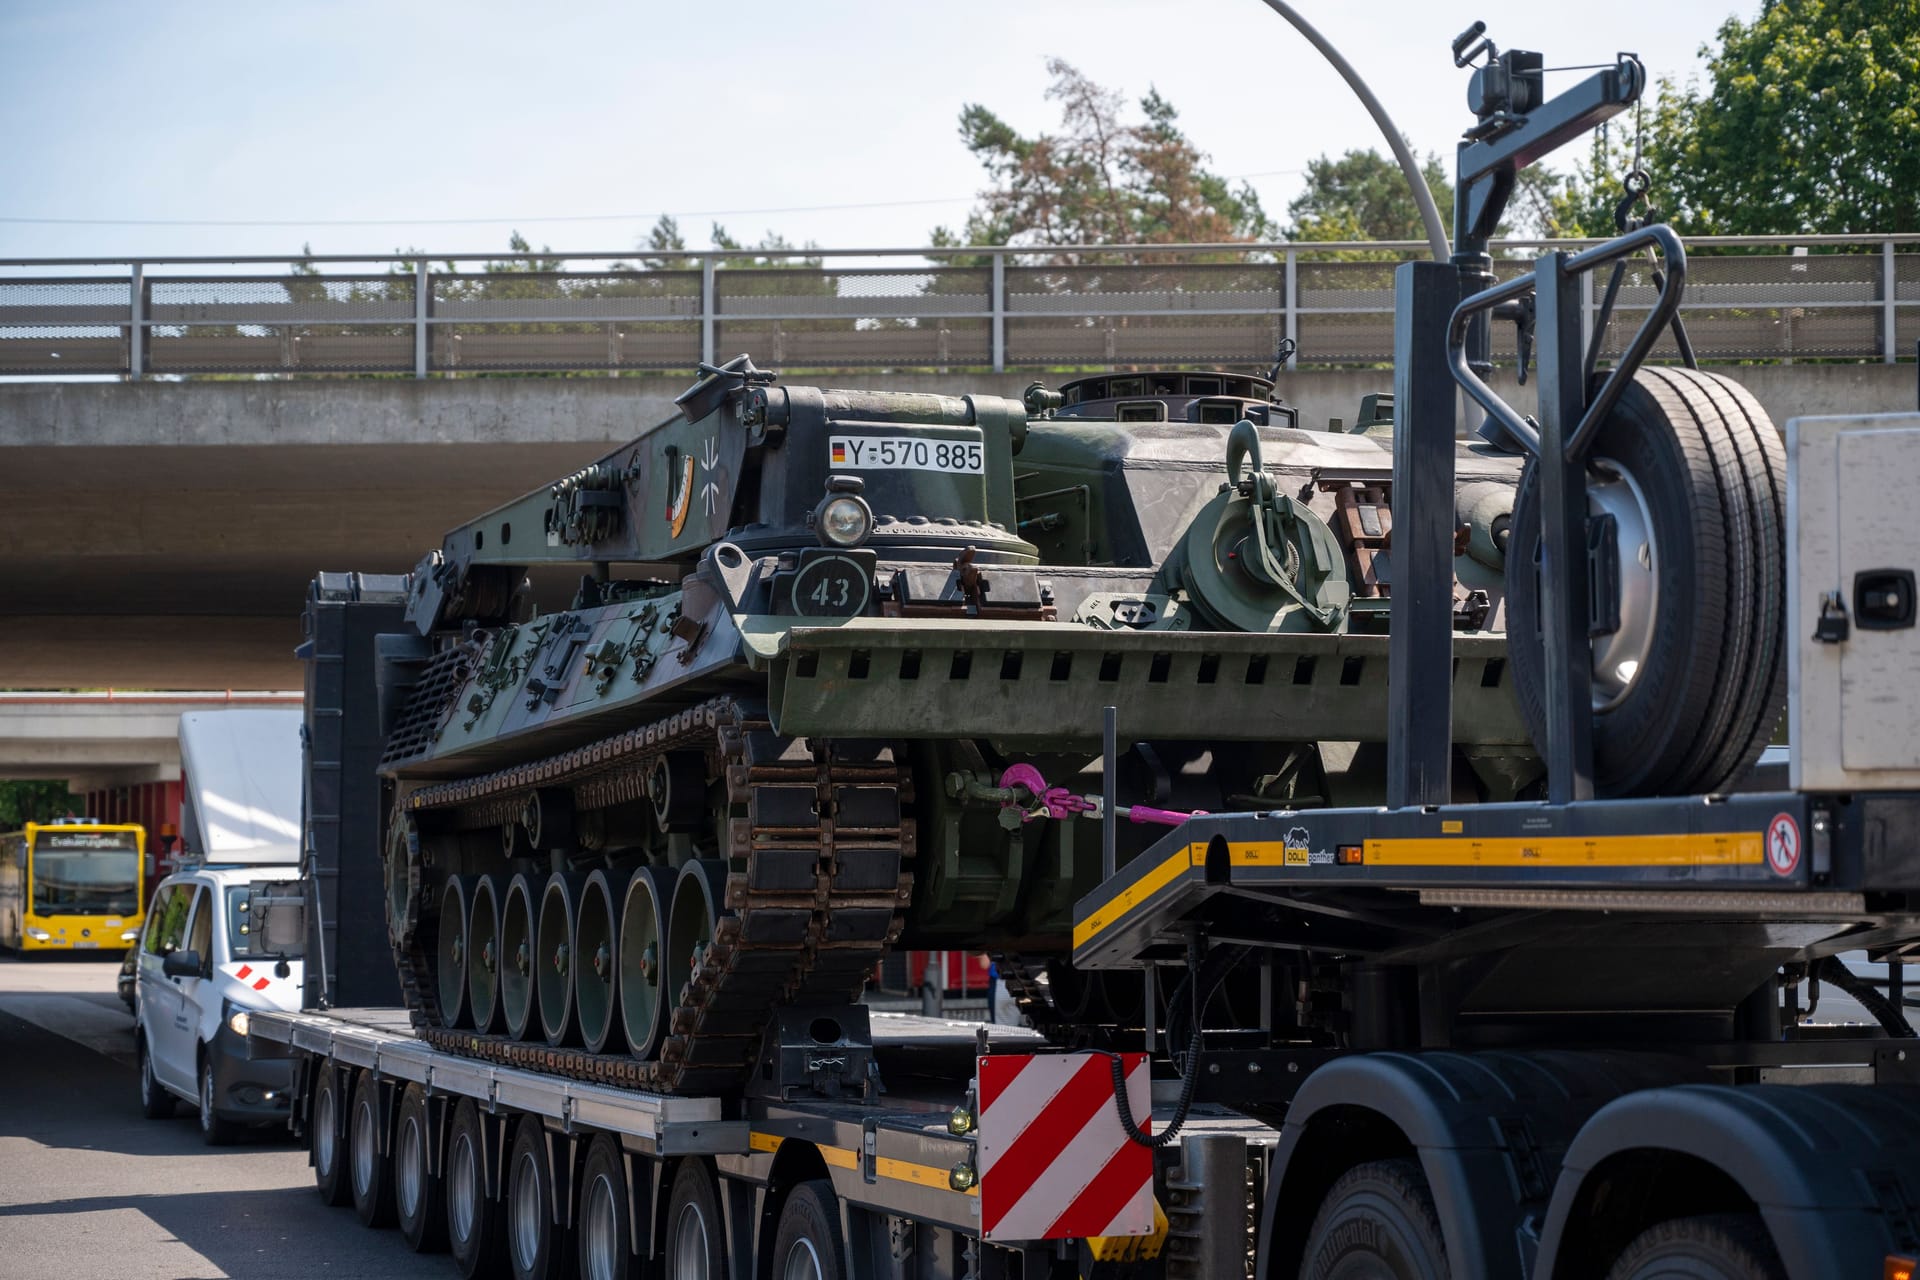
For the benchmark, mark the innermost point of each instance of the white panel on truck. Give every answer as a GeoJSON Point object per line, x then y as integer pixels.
{"type": "Point", "coordinates": [1853, 553]}
{"type": "Point", "coordinates": [242, 778]}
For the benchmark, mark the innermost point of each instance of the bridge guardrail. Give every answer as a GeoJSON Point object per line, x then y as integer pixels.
{"type": "Point", "coordinates": [1748, 298]}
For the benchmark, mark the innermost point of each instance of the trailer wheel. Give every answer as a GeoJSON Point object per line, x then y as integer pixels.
{"type": "Point", "coordinates": [808, 1245]}
{"type": "Point", "coordinates": [1720, 1246]}
{"type": "Point", "coordinates": [419, 1196]}
{"type": "Point", "coordinates": [536, 1245]}
{"type": "Point", "coordinates": [1689, 685]}
{"type": "Point", "coordinates": [371, 1173]}
{"type": "Point", "coordinates": [473, 1221]}
{"type": "Point", "coordinates": [329, 1166]}
{"type": "Point", "coordinates": [694, 1250]}
{"type": "Point", "coordinates": [1377, 1220]}
{"type": "Point", "coordinates": [606, 1225]}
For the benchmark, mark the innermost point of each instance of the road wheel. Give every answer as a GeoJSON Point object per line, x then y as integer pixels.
{"type": "Point", "coordinates": [1721, 1246]}
{"type": "Point", "coordinates": [473, 1220]}
{"type": "Point", "coordinates": [694, 1250]}
{"type": "Point", "coordinates": [371, 1172]}
{"type": "Point", "coordinates": [419, 1196]}
{"type": "Point", "coordinates": [808, 1246]}
{"type": "Point", "coordinates": [329, 1153]}
{"type": "Point", "coordinates": [1690, 683]}
{"type": "Point", "coordinates": [536, 1245]}
{"type": "Point", "coordinates": [606, 1225]}
{"type": "Point", "coordinates": [155, 1102]}
{"type": "Point", "coordinates": [1377, 1221]}
{"type": "Point", "coordinates": [214, 1131]}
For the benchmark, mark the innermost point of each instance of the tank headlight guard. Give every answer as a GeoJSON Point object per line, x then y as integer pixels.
{"type": "Point", "coordinates": [843, 518]}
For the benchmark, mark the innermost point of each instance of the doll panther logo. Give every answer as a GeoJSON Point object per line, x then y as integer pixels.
{"type": "Point", "coordinates": [1296, 853]}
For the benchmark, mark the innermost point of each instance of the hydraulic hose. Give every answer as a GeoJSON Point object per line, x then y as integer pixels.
{"type": "Point", "coordinates": [1892, 1020]}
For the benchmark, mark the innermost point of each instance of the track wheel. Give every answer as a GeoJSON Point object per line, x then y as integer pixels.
{"type": "Point", "coordinates": [324, 1129]}
{"type": "Point", "coordinates": [643, 929]}
{"type": "Point", "coordinates": [483, 956]}
{"type": "Point", "coordinates": [1688, 478]}
{"type": "Point", "coordinates": [554, 960]}
{"type": "Point", "coordinates": [694, 1249]}
{"type": "Point", "coordinates": [808, 1246]}
{"type": "Point", "coordinates": [371, 1173]}
{"type": "Point", "coordinates": [453, 949]}
{"type": "Point", "coordinates": [1377, 1221]}
{"type": "Point", "coordinates": [596, 950]}
{"type": "Point", "coordinates": [474, 1222]}
{"type": "Point", "coordinates": [697, 898]}
{"type": "Point", "coordinates": [1720, 1246]}
{"type": "Point", "coordinates": [419, 1195]}
{"type": "Point", "coordinates": [606, 1222]}
{"type": "Point", "coordinates": [536, 1244]}
{"type": "Point", "coordinates": [516, 958]}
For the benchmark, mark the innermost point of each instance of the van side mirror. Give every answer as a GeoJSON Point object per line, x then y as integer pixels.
{"type": "Point", "coordinates": [181, 964]}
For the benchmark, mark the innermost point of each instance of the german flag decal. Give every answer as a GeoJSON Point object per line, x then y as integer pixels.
{"type": "Point", "coordinates": [839, 454]}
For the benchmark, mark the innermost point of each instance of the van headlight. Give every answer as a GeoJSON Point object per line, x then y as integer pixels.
{"type": "Point", "coordinates": [239, 1021]}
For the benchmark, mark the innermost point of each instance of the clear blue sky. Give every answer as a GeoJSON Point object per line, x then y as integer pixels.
{"type": "Point", "coordinates": [368, 127]}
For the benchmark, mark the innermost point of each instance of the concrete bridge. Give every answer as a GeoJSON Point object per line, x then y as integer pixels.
{"type": "Point", "coordinates": [161, 535]}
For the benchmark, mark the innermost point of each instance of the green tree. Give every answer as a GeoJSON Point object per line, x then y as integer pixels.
{"type": "Point", "coordinates": [35, 801]}
{"type": "Point", "coordinates": [1362, 195]}
{"type": "Point", "coordinates": [1806, 124]}
{"type": "Point", "coordinates": [1100, 179]}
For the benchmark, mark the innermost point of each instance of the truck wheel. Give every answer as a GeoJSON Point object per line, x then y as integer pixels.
{"type": "Point", "coordinates": [473, 1221]}
{"type": "Point", "coordinates": [419, 1197]}
{"type": "Point", "coordinates": [370, 1172]}
{"type": "Point", "coordinates": [536, 1245]}
{"type": "Point", "coordinates": [329, 1166]}
{"type": "Point", "coordinates": [155, 1102]}
{"type": "Point", "coordinates": [808, 1245]}
{"type": "Point", "coordinates": [1720, 1246]}
{"type": "Point", "coordinates": [694, 1250]}
{"type": "Point", "coordinates": [1693, 679]}
{"type": "Point", "coordinates": [214, 1131]}
{"type": "Point", "coordinates": [606, 1225]}
{"type": "Point", "coordinates": [1377, 1220]}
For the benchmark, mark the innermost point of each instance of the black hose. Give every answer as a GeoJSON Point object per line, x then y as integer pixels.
{"type": "Point", "coordinates": [1189, 1063]}
{"type": "Point", "coordinates": [1891, 1020]}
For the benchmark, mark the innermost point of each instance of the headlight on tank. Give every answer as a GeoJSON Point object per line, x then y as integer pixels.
{"type": "Point", "coordinates": [239, 1022]}
{"type": "Point", "coordinates": [843, 518]}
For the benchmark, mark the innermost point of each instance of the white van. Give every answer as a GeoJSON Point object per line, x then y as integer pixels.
{"type": "Point", "coordinates": [224, 934]}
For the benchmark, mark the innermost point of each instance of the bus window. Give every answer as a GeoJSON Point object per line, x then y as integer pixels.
{"type": "Point", "coordinates": [166, 924]}
{"type": "Point", "coordinates": [82, 872]}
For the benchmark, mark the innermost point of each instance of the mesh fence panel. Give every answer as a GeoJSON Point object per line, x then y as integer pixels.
{"type": "Point", "coordinates": [55, 326]}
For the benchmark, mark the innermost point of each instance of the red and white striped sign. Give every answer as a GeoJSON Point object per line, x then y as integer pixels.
{"type": "Point", "coordinates": [247, 971]}
{"type": "Point", "coordinates": [1054, 1161]}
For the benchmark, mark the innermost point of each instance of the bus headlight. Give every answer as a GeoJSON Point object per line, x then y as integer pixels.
{"type": "Point", "coordinates": [39, 935]}
{"type": "Point", "coordinates": [239, 1021]}
{"type": "Point", "coordinates": [129, 935]}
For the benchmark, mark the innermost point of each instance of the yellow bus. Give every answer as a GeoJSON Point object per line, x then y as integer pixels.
{"type": "Point", "coordinates": [72, 885]}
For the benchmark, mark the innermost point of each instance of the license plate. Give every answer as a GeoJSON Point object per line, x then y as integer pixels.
{"type": "Point", "coordinates": [907, 453]}
{"type": "Point", "coordinates": [86, 942]}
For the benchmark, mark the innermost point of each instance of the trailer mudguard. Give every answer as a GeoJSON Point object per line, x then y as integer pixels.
{"type": "Point", "coordinates": [1833, 1169]}
{"type": "Point", "coordinates": [1490, 1130]}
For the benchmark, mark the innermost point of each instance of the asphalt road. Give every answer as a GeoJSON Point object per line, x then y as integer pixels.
{"type": "Point", "coordinates": [88, 1187]}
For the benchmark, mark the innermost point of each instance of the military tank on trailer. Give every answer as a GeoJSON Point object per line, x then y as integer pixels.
{"type": "Point", "coordinates": [833, 677]}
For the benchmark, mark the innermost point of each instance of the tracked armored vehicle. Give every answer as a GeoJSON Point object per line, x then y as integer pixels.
{"type": "Point", "coordinates": [833, 676]}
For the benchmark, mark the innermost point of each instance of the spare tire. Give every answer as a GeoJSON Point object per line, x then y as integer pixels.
{"type": "Point", "coordinates": [1689, 685]}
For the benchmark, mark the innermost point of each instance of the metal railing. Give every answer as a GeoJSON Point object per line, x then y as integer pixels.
{"type": "Point", "coordinates": [1748, 298]}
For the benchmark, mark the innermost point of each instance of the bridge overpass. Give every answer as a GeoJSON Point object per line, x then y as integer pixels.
{"type": "Point", "coordinates": [161, 535]}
